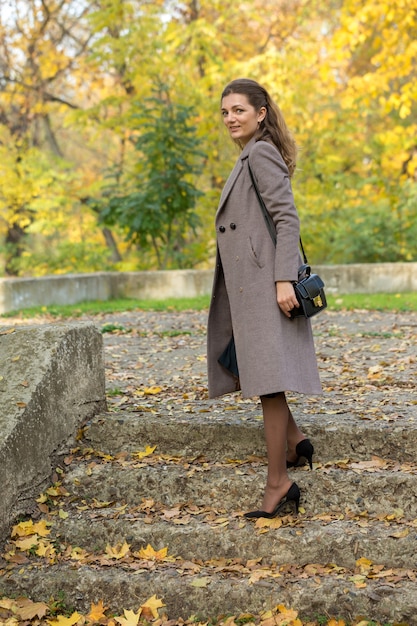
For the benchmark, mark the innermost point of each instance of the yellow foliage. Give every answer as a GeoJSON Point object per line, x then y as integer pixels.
{"type": "Point", "coordinates": [97, 612]}
{"type": "Point", "coordinates": [45, 549]}
{"type": "Point", "coordinates": [24, 529]}
{"type": "Point", "coordinates": [130, 618]}
{"type": "Point", "coordinates": [364, 565]}
{"type": "Point", "coordinates": [61, 620]}
{"type": "Point", "coordinates": [151, 554]}
{"type": "Point", "coordinates": [141, 454]}
{"type": "Point", "coordinates": [152, 605]}
{"type": "Point", "coordinates": [117, 552]}
{"type": "Point", "coordinates": [281, 616]}
{"type": "Point", "coordinates": [27, 543]}
{"type": "Point", "coordinates": [343, 76]}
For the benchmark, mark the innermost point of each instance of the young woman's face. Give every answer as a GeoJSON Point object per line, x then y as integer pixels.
{"type": "Point", "coordinates": [240, 117]}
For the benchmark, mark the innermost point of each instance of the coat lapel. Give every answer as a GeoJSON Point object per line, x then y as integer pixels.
{"type": "Point", "coordinates": [234, 174]}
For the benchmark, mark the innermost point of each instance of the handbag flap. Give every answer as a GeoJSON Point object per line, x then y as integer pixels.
{"type": "Point", "coordinates": [310, 287]}
{"type": "Point", "coordinates": [304, 271]}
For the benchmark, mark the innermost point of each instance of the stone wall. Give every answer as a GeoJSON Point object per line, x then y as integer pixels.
{"type": "Point", "coordinates": [20, 293]}
{"type": "Point", "coordinates": [51, 380]}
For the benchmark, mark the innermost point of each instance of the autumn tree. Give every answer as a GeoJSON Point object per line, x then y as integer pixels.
{"type": "Point", "coordinates": [158, 211]}
{"type": "Point", "coordinates": [74, 72]}
{"type": "Point", "coordinates": [39, 45]}
{"type": "Point", "coordinates": [361, 181]}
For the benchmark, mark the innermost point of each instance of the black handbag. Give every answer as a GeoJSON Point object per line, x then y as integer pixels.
{"type": "Point", "coordinates": [309, 288]}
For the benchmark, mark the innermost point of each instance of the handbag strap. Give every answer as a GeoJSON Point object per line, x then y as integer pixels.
{"type": "Point", "coordinates": [267, 217]}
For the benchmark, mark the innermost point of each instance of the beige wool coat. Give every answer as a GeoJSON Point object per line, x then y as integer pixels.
{"type": "Point", "coordinates": [274, 353]}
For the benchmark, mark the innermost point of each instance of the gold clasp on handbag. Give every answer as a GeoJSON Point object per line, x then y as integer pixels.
{"type": "Point", "coordinates": [318, 301]}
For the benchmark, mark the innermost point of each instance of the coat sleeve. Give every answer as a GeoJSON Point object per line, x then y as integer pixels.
{"type": "Point", "coordinates": [273, 180]}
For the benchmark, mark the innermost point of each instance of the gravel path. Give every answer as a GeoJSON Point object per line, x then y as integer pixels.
{"type": "Point", "coordinates": [156, 361]}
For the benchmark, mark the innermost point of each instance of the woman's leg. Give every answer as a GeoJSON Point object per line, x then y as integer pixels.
{"type": "Point", "coordinates": [294, 436]}
{"type": "Point", "coordinates": [277, 422]}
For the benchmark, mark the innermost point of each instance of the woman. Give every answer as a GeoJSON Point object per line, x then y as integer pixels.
{"type": "Point", "coordinates": [253, 292]}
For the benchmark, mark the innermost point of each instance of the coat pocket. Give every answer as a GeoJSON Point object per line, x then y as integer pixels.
{"type": "Point", "coordinates": [255, 252]}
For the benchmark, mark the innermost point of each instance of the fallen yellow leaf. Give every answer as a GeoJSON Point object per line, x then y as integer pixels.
{"type": "Point", "coordinates": [61, 620]}
{"type": "Point", "coordinates": [117, 552]}
{"type": "Point", "coordinates": [151, 391]}
{"type": "Point", "coordinates": [130, 618]}
{"type": "Point", "coordinates": [364, 565]}
{"type": "Point", "coordinates": [27, 543]}
{"type": "Point", "coordinates": [400, 534]}
{"type": "Point", "coordinates": [41, 528]}
{"type": "Point", "coordinates": [23, 529]}
{"type": "Point", "coordinates": [7, 603]}
{"type": "Point", "coordinates": [77, 554]}
{"type": "Point", "coordinates": [45, 549]}
{"type": "Point", "coordinates": [257, 575]}
{"type": "Point", "coordinates": [151, 554]}
{"type": "Point", "coordinates": [27, 610]}
{"type": "Point", "coordinates": [153, 604]}
{"type": "Point", "coordinates": [282, 616]}
{"type": "Point", "coordinates": [140, 454]}
{"type": "Point", "coordinates": [264, 522]}
{"type": "Point", "coordinates": [97, 612]}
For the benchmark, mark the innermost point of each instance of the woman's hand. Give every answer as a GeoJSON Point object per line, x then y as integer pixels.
{"type": "Point", "coordinates": [286, 297]}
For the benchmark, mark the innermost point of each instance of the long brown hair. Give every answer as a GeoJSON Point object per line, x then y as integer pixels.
{"type": "Point", "coordinates": [273, 127]}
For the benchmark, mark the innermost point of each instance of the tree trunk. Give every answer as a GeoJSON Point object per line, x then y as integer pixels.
{"type": "Point", "coordinates": [50, 136]}
{"type": "Point", "coordinates": [14, 248]}
{"type": "Point", "coordinates": [112, 245]}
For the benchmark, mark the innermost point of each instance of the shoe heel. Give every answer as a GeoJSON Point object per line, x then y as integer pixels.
{"type": "Point", "coordinates": [297, 505]}
{"type": "Point", "coordinates": [293, 497]}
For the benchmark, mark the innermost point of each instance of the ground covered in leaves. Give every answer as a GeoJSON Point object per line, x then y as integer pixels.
{"type": "Point", "coordinates": [22, 611]}
{"type": "Point", "coordinates": [155, 363]}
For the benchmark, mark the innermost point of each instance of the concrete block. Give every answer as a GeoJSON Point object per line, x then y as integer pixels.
{"type": "Point", "coordinates": [21, 293]}
{"type": "Point", "coordinates": [369, 277]}
{"type": "Point", "coordinates": [51, 380]}
{"type": "Point", "coordinates": [163, 284]}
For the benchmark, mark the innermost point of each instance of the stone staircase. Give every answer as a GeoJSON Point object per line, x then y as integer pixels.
{"type": "Point", "coordinates": [149, 500]}
{"type": "Point", "coordinates": [353, 550]}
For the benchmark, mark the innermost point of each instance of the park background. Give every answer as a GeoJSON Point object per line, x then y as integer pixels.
{"type": "Point", "coordinates": [112, 149]}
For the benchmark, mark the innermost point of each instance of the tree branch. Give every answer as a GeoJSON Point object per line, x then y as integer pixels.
{"type": "Point", "coordinates": [49, 97]}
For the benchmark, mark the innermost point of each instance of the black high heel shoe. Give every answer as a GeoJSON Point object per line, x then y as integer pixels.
{"type": "Point", "coordinates": [292, 498]}
{"type": "Point", "coordinates": [304, 450]}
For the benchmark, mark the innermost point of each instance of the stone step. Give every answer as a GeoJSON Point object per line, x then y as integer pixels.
{"type": "Point", "coordinates": [221, 588]}
{"type": "Point", "coordinates": [350, 551]}
{"type": "Point", "coordinates": [239, 488]}
{"type": "Point", "coordinates": [207, 534]}
{"type": "Point", "coordinates": [238, 433]}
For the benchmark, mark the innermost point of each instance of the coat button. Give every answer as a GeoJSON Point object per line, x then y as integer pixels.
{"type": "Point", "coordinates": [222, 229]}
{"type": "Point", "coordinates": [233, 226]}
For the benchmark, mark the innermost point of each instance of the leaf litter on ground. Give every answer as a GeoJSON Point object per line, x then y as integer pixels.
{"type": "Point", "coordinates": [371, 376]}
{"type": "Point", "coordinates": [25, 612]}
